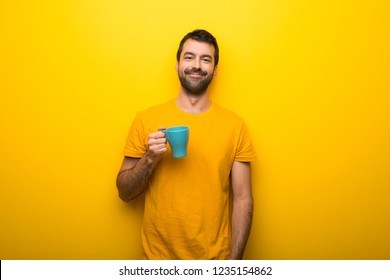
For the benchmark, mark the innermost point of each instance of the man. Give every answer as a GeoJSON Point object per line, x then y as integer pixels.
{"type": "Point", "coordinates": [187, 213]}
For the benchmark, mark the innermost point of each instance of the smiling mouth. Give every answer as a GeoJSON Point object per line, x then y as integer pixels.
{"type": "Point", "coordinates": [196, 73]}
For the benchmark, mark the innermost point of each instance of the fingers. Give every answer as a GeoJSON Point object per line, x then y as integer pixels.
{"type": "Point", "coordinates": [157, 142]}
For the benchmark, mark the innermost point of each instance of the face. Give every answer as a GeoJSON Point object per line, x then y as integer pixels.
{"type": "Point", "coordinates": [196, 67]}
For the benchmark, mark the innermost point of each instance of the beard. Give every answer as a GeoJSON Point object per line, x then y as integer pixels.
{"type": "Point", "coordinates": [195, 86]}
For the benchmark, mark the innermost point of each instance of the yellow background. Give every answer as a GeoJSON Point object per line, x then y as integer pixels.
{"type": "Point", "coordinates": [311, 78]}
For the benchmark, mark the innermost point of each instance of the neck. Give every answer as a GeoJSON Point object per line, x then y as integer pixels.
{"type": "Point", "coordinates": [193, 104]}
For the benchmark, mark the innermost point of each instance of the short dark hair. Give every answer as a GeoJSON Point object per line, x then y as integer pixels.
{"type": "Point", "coordinates": [200, 35]}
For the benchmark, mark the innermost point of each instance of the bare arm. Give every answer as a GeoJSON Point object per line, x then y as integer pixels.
{"type": "Point", "coordinates": [242, 208]}
{"type": "Point", "coordinates": [135, 173]}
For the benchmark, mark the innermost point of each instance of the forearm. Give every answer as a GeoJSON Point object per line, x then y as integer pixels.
{"type": "Point", "coordinates": [241, 226]}
{"type": "Point", "coordinates": [133, 181]}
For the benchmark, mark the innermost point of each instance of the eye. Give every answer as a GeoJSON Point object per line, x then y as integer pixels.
{"type": "Point", "coordinates": [207, 59]}
{"type": "Point", "coordinates": [188, 57]}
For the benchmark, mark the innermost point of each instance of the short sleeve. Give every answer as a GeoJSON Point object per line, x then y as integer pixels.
{"type": "Point", "coordinates": [245, 151]}
{"type": "Point", "coordinates": [135, 145]}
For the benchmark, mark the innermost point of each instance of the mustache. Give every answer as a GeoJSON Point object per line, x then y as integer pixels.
{"type": "Point", "coordinates": [195, 71]}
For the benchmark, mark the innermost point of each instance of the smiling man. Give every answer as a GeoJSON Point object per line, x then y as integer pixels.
{"type": "Point", "coordinates": [196, 70]}
{"type": "Point", "coordinates": [187, 200]}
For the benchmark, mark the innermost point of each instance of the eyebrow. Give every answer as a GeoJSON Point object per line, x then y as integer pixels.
{"type": "Point", "coordinates": [204, 55]}
{"type": "Point", "coordinates": [207, 55]}
{"type": "Point", "coordinates": [188, 53]}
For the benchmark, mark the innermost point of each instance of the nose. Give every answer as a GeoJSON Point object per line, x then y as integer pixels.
{"type": "Point", "coordinates": [196, 63]}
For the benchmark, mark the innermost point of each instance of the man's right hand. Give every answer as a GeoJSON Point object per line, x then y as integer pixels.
{"type": "Point", "coordinates": [135, 173]}
{"type": "Point", "coordinates": [157, 143]}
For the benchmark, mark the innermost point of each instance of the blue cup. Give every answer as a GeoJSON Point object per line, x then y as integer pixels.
{"type": "Point", "coordinates": [177, 137]}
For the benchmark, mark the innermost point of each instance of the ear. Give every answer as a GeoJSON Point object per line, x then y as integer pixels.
{"type": "Point", "coordinates": [177, 67]}
{"type": "Point", "coordinates": [215, 71]}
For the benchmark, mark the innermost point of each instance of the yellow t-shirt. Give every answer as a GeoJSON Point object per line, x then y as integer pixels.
{"type": "Point", "coordinates": [187, 201]}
